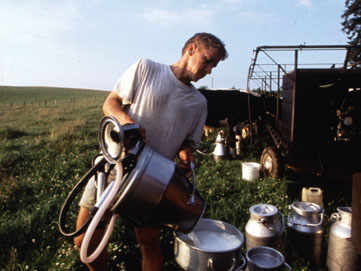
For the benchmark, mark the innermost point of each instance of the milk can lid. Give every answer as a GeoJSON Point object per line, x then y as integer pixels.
{"type": "Point", "coordinates": [345, 209]}
{"type": "Point", "coordinates": [262, 210]}
{"type": "Point", "coordinates": [304, 207]}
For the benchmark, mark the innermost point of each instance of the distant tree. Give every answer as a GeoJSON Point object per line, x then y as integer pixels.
{"type": "Point", "coordinates": [352, 27]}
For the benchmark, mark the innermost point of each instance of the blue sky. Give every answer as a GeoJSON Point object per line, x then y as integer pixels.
{"type": "Point", "coordinates": [89, 43]}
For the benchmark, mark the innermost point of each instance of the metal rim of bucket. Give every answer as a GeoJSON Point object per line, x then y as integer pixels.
{"type": "Point", "coordinates": [182, 237]}
{"type": "Point", "coordinates": [265, 250]}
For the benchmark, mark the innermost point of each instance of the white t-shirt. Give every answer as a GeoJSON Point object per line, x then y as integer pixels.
{"type": "Point", "coordinates": [166, 108]}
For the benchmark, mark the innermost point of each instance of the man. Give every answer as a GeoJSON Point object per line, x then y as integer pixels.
{"type": "Point", "coordinates": [170, 111]}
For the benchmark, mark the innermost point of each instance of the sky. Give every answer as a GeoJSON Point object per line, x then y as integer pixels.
{"type": "Point", "coordinates": [90, 43]}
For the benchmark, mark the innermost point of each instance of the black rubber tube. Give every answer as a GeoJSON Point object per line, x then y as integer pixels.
{"type": "Point", "coordinates": [69, 199]}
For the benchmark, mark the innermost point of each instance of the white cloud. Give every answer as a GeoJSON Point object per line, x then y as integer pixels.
{"type": "Point", "coordinates": [28, 21]}
{"type": "Point", "coordinates": [256, 17]}
{"type": "Point", "coordinates": [167, 18]}
{"type": "Point", "coordinates": [232, 1]}
{"type": "Point", "coordinates": [306, 3]}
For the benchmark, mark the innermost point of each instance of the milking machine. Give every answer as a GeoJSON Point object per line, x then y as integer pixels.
{"type": "Point", "coordinates": [148, 188]}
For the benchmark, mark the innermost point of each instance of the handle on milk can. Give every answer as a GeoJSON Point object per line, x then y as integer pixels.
{"type": "Point", "coordinates": [335, 217]}
{"type": "Point", "coordinates": [233, 267]}
{"type": "Point", "coordinates": [291, 220]}
{"type": "Point", "coordinates": [263, 221]}
{"type": "Point", "coordinates": [192, 197]}
{"type": "Point", "coordinates": [282, 220]}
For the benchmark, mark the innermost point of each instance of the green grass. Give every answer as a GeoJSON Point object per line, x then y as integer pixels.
{"type": "Point", "coordinates": [49, 136]}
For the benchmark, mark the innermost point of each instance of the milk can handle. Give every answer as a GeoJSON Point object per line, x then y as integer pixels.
{"type": "Point", "coordinates": [263, 221]}
{"type": "Point", "coordinates": [242, 266]}
{"type": "Point", "coordinates": [282, 220]}
{"type": "Point", "coordinates": [192, 197]}
{"type": "Point", "coordinates": [309, 224]}
{"type": "Point", "coordinates": [335, 217]}
{"type": "Point", "coordinates": [288, 266]}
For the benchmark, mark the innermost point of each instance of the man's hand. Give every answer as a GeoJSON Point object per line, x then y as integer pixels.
{"type": "Point", "coordinates": [185, 156]}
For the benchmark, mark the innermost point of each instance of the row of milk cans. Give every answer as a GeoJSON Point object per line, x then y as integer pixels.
{"type": "Point", "coordinates": [305, 232]}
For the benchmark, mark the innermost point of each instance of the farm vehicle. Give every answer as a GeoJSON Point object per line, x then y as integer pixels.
{"type": "Point", "coordinates": [312, 110]}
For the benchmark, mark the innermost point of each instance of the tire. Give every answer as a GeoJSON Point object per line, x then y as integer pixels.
{"type": "Point", "coordinates": [271, 163]}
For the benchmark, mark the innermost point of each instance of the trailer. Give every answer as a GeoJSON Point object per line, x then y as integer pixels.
{"type": "Point", "coordinates": [313, 109]}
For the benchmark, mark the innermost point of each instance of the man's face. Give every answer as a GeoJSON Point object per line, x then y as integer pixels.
{"type": "Point", "coordinates": [202, 61]}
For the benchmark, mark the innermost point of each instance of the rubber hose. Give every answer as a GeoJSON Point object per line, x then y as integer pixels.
{"type": "Point", "coordinates": [73, 193]}
{"type": "Point", "coordinates": [98, 217]}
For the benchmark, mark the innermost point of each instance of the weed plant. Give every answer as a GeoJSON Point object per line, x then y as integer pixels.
{"type": "Point", "coordinates": [49, 137]}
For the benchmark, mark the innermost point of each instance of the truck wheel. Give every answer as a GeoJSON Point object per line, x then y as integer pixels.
{"type": "Point", "coordinates": [271, 163]}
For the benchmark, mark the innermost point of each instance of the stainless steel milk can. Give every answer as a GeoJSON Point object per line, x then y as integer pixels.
{"type": "Point", "coordinates": [305, 229]}
{"type": "Point", "coordinates": [265, 227]}
{"type": "Point", "coordinates": [341, 254]}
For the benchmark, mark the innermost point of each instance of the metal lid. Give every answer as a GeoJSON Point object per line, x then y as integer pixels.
{"type": "Point", "coordinates": [263, 210]}
{"type": "Point", "coordinates": [345, 209]}
{"type": "Point", "coordinates": [345, 213]}
{"type": "Point", "coordinates": [306, 208]}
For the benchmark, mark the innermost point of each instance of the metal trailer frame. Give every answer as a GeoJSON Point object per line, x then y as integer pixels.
{"type": "Point", "coordinates": [289, 91]}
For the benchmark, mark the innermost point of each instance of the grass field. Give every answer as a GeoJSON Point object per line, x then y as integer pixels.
{"type": "Point", "coordinates": [48, 139]}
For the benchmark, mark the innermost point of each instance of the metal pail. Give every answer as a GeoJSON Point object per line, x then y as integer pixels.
{"type": "Point", "coordinates": [155, 193]}
{"type": "Point", "coordinates": [265, 258]}
{"type": "Point", "coordinates": [250, 171]}
{"type": "Point", "coordinates": [212, 245]}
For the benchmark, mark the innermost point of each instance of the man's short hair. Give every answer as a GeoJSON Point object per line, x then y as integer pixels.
{"type": "Point", "coordinates": [208, 40]}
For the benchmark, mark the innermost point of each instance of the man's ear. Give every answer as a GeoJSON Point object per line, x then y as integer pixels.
{"type": "Point", "coordinates": [192, 49]}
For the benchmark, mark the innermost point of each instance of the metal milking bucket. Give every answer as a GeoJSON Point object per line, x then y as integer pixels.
{"type": "Point", "coordinates": [341, 254]}
{"type": "Point", "coordinates": [212, 245]}
{"type": "Point", "coordinates": [153, 191]}
{"type": "Point", "coordinates": [265, 258]}
{"type": "Point", "coordinates": [265, 227]}
{"type": "Point", "coordinates": [148, 189]}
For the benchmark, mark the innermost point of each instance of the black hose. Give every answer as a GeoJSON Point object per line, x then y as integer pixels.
{"type": "Point", "coordinates": [74, 192]}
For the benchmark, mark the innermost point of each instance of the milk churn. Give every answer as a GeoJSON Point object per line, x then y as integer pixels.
{"type": "Point", "coordinates": [219, 150]}
{"type": "Point", "coordinates": [265, 227]}
{"type": "Point", "coordinates": [305, 229]}
{"type": "Point", "coordinates": [341, 254]}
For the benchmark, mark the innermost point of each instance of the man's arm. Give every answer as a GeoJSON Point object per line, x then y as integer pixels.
{"type": "Point", "coordinates": [113, 106]}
